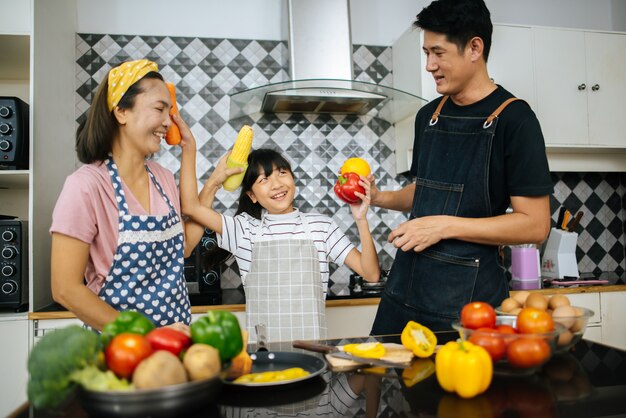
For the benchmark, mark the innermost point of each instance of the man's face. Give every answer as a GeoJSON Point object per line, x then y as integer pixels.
{"type": "Point", "coordinates": [452, 69]}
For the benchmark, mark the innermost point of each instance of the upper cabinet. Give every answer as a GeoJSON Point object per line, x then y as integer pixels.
{"type": "Point", "coordinates": [510, 62]}
{"type": "Point", "coordinates": [581, 88]}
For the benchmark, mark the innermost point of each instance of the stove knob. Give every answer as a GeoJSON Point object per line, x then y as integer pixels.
{"type": "Point", "coordinates": [9, 252]}
{"type": "Point", "coordinates": [5, 112]}
{"type": "Point", "coordinates": [9, 287]}
{"type": "Point", "coordinates": [8, 235]}
{"type": "Point", "coordinates": [209, 244]}
{"type": "Point", "coordinates": [8, 270]}
{"type": "Point", "coordinates": [210, 278]}
{"type": "Point", "coordinates": [5, 128]}
{"type": "Point", "coordinates": [5, 145]}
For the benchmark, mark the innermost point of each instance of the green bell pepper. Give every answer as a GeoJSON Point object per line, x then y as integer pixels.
{"type": "Point", "coordinates": [127, 321]}
{"type": "Point", "coordinates": [219, 329]}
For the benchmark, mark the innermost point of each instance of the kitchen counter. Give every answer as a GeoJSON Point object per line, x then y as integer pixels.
{"type": "Point", "coordinates": [588, 381]}
{"type": "Point", "coordinates": [233, 300]}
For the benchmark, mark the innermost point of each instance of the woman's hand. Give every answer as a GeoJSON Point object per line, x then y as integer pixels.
{"type": "Point", "coordinates": [179, 326]}
{"type": "Point", "coordinates": [221, 172]}
{"type": "Point", "coordinates": [359, 209]}
{"type": "Point", "coordinates": [188, 141]}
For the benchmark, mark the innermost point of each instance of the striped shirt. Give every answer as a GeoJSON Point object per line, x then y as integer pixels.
{"type": "Point", "coordinates": [330, 241]}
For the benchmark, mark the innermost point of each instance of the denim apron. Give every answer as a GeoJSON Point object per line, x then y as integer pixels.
{"type": "Point", "coordinates": [147, 271]}
{"type": "Point", "coordinates": [432, 286]}
{"type": "Point", "coordinates": [284, 288]}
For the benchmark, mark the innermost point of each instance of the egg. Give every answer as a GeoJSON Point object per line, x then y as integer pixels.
{"type": "Point", "coordinates": [564, 315]}
{"type": "Point", "coordinates": [581, 320]}
{"type": "Point", "coordinates": [537, 301]}
{"type": "Point", "coordinates": [509, 304]}
{"type": "Point", "coordinates": [521, 296]}
{"type": "Point", "coordinates": [565, 337]}
{"type": "Point", "coordinates": [516, 311]}
{"type": "Point", "coordinates": [558, 300]}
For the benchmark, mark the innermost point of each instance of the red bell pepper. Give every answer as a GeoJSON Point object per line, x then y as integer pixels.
{"type": "Point", "coordinates": [346, 185]}
{"type": "Point", "coordinates": [168, 339]}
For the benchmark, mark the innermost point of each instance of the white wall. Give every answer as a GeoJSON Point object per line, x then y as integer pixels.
{"type": "Point", "coordinates": [374, 22]}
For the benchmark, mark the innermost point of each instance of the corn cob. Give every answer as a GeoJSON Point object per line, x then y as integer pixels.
{"type": "Point", "coordinates": [239, 157]}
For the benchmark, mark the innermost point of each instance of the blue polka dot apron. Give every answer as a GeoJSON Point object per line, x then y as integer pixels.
{"type": "Point", "coordinates": [147, 271]}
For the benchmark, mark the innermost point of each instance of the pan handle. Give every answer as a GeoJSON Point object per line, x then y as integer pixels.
{"type": "Point", "coordinates": [261, 337]}
{"type": "Point", "coordinates": [311, 346]}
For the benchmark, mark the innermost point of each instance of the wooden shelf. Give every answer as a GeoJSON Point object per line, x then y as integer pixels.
{"type": "Point", "coordinates": [14, 179]}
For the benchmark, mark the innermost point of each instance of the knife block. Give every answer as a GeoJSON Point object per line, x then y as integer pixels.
{"type": "Point", "coordinates": [559, 257]}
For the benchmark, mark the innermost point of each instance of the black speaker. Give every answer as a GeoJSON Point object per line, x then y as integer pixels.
{"type": "Point", "coordinates": [14, 138]}
{"type": "Point", "coordinates": [13, 264]}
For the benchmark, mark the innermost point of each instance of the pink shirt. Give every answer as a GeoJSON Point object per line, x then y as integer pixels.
{"type": "Point", "coordinates": [87, 210]}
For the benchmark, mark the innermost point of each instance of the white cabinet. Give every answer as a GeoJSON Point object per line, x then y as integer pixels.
{"type": "Point", "coordinates": [350, 321]}
{"type": "Point", "coordinates": [13, 360]}
{"type": "Point", "coordinates": [581, 89]}
{"type": "Point", "coordinates": [510, 62]}
{"type": "Point", "coordinates": [613, 305]}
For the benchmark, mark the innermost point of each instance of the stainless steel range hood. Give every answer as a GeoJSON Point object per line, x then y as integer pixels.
{"type": "Point", "coordinates": [321, 74]}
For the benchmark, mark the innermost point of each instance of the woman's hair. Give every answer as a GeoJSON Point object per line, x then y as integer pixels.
{"type": "Point", "coordinates": [94, 136]}
{"type": "Point", "coordinates": [459, 20]}
{"type": "Point", "coordinates": [262, 160]}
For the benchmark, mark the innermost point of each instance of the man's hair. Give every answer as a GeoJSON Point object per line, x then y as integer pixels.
{"type": "Point", "coordinates": [459, 20]}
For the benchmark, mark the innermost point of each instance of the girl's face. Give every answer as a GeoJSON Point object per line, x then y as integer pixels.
{"type": "Point", "coordinates": [275, 192]}
{"type": "Point", "coordinates": [144, 125]}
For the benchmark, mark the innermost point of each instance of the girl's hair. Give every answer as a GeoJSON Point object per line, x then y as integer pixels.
{"type": "Point", "coordinates": [260, 161]}
{"type": "Point", "coordinates": [94, 136]}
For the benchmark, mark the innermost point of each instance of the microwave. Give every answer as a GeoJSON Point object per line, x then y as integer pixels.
{"type": "Point", "coordinates": [14, 134]}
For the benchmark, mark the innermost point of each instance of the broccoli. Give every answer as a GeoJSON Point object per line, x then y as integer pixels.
{"type": "Point", "coordinates": [53, 360]}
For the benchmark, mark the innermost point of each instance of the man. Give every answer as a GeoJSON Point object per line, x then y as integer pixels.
{"type": "Point", "coordinates": [469, 166]}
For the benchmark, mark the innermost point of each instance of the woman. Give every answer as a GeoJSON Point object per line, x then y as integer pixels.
{"type": "Point", "coordinates": [118, 241]}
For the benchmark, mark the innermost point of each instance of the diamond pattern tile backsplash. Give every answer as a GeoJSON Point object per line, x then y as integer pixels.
{"type": "Point", "coordinates": [206, 70]}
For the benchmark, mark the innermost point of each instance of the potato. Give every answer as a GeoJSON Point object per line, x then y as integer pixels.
{"type": "Point", "coordinates": [162, 368]}
{"type": "Point", "coordinates": [202, 362]}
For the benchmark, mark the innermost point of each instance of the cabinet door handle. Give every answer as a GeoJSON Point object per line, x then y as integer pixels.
{"type": "Point", "coordinates": [582, 86]}
{"type": "Point", "coordinates": [595, 87]}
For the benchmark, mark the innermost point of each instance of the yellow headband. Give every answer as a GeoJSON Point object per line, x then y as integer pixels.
{"type": "Point", "coordinates": [124, 76]}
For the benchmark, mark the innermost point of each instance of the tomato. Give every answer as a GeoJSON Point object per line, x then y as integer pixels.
{"type": "Point", "coordinates": [488, 339]}
{"type": "Point", "coordinates": [534, 321]}
{"type": "Point", "coordinates": [356, 165]}
{"type": "Point", "coordinates": [125, 352]}
{"type": "Point", "coordinates": [527, 352]}
{"type": "Point", "coordinates": [476, 315]}
{"type": "Point", "coordinates": [506, 329]}
{"type": "Point", "coordinates": [346, 185]}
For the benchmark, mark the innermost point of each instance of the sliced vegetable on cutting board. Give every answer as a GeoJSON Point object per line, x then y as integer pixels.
{"type": "Point", "coordinates": [419, 339]}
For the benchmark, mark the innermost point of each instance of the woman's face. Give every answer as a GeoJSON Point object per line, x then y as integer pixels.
{"type": "Point", "coordinates": [144, 125]}
{"type": "Point", "coordinates": [275, 192]}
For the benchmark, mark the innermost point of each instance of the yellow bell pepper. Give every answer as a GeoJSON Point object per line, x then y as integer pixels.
{"type": "Point", "coordinates": [464, 368]}
{"type": "Point", "coordinates": [368, 350]}
{"type": "Point", "coordinates": [419, 339]}
{"type": "Point", "coordinates": [420, 369]}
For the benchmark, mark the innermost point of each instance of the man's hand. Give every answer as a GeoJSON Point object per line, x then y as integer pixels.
{"type": "Point", "coordinates": [419, 233]}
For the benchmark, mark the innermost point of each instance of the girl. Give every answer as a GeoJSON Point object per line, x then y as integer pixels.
{"type": "Point", "coordinates": [282, 253]}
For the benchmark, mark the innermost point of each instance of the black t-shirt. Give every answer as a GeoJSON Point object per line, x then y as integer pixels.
{"type": "Point", "coordinates": [519, 166]}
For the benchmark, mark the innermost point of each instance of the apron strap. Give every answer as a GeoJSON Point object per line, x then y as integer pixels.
{"type": "Point", "coordinates": [497, 112]}
{"type": "Point", "coordinates": [435, 117]}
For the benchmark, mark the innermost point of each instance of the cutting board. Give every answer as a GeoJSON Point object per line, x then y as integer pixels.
{"type": "Point", "coordinates": [395, 353]}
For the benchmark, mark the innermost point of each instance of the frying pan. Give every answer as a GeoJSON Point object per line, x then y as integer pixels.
{"type": "Point", "coordinates": [169, 401]}
{"type": "Point", "coordinates": [265, 361]}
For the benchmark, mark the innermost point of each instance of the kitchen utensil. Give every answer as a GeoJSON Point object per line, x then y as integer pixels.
{"type": "Point", "coordinates": [397, 356]}
{"type": "Point", "coordinates": [566, 219]}
{"type": "Point", "coordinates": [576, 221]}
{"type": "Point", "coordinates": [559, 257]}
{"type": "Point", "coordinates": [261, 337]}
{"type": "Point", "coordinates": [170, 401]}
{"type": "Point", "coordinates": [266, 361]}
{"type": "Point", "coordinates": [559, 220]}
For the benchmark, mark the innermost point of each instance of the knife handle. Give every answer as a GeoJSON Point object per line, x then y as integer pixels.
{"type": "Point", "coordinates": [575, 222]}
{"type": "Point", "coordinates": [318, 348]}
{"type": "Point", "coordinates": [559, 220]}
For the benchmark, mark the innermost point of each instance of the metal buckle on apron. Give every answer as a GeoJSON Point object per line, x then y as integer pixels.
{"type": "Point", "coordinates": [488, 123]}
{"type": "Point", "coordinates": [433, 121]}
